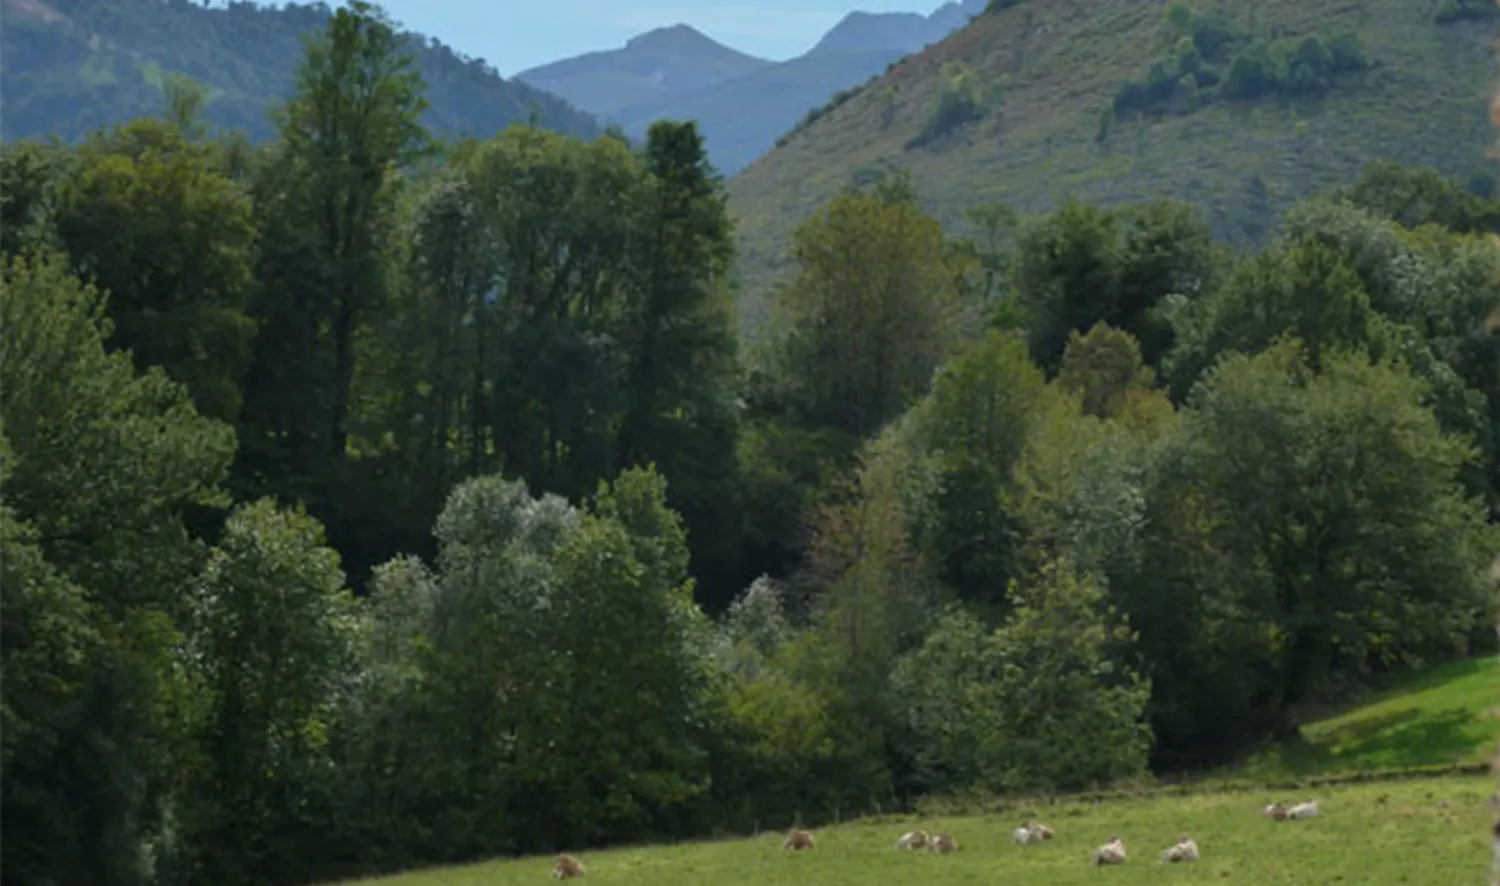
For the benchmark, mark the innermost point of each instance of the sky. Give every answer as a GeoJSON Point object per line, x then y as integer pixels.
{"type": "Point", "coordinates": [514, 35]}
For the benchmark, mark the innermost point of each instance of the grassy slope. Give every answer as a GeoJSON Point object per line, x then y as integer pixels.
{"type": "Point", "coordinates": [1429, 830]}
{"type": "Point", "coordinates": [1425, 104]}
{"type": "Point", "coordinates": [1444, 716]}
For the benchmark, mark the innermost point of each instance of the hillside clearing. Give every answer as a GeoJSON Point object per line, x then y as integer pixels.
{"type": "Point", "coordinates": [1444, 716]}
{"type": "Point", "coordinates": [1428, 831]}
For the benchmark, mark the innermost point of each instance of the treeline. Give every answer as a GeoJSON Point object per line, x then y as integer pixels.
{"type": "Point", "coordinates": [370, 502]}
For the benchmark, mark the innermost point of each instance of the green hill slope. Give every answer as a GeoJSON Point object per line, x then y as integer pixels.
{"type": "Point", "coordinates": [1010, 109]}
{"type": "Point", "coordinates": [1444, 716]}
{"type": "Point", "coordinates": [69, 66]}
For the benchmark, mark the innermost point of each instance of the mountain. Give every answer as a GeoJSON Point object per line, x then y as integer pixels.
{"type": "Point", "coordinates": [651, 68]}
{"type": "Point", "coordinates": [1101, 99]}
{"type": "Point", "coordinates": [740, 119]}
{"type": "Point", "coordinates": [70, 66]}
{"type": "Point", "coordinates": [742, 103]}
{"type": "Point", "coordinates": [907, 31]}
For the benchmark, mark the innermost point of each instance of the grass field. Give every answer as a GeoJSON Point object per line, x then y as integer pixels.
{"type": "Point", "coordinates": [1429, 832]}
{"type": "Point", "coordinates": [1422, 831]}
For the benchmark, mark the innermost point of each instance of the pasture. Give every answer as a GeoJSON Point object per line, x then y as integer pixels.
{"type": "Point", "coordinates": [1423, 831]}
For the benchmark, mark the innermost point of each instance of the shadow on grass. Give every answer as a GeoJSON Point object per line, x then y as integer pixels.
{"type": "Point", "coordinates": [1410, 737]}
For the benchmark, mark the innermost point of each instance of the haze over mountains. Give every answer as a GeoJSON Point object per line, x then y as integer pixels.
{"type": "Point", "coordinates": [742, 103]}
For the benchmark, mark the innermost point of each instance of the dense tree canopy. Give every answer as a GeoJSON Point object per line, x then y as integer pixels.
{"type": "Point", "coordinates": [371, 501]}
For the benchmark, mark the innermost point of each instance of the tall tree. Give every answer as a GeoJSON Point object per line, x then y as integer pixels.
{"type": "Point", "coordinates": [325, 198]}
{"type": "Point", "coordinates": [680, 383]}
{"type": "Point", "coordinates": [869, 313]}
{"type": "Point", "coordinates": [273, 644]}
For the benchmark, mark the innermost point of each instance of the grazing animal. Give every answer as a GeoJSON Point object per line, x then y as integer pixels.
{"type": "Point", "coordinates": [1044, 831]}
{"type": "Point", "coordinates": [798, 839]}
{"type": "Point", "coordinates": [1276, 812]}
{"type": "Point", "coordinates": [1304, 810]}
{"type": "Point", "coordinates": [1112, 852]}
{"type": "Point", "coordinates": [912, 840]}
{"type": "Point", "coordinates": [942, 843]}
{"type": "Point", "coordinates": [567, 866]}
{"type": "Point", "coordinates": [1185, 849]}
{"type": "Point", "coordinates": [1030, 831]}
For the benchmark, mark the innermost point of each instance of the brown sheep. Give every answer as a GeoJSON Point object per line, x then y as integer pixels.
{"type": "Point", "coordinates": [567, 866]}
{"type": "Point", "coordinates": [798, 839]}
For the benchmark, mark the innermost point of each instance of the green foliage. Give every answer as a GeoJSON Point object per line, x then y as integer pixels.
{"type": "Point", "coordinates": [102, 464]}
{"type": "Point", "coordinates": [1045, 701]}
{"type": "Point", "coordinates": [1082, 265]}
{"type": "Point", "coordinates": [1450, 11]}
{"type": "Point", "coordinates": [959, 103]}
{"type": "Point", "coordinates": [974, 427]}
{"type": "Point", "coordinates": [504, 371]}
{"type": "Point", "coordinates": [1104, 370]}
{"type": "Point", "coordinates": [1065, 710]}
{"type": "Point", "coordinates": [148, 219]}
{"type": "Point", "coordinates": [870, 313]}
{"type": "Point", "coordinates": [272, 632]}
{"type": "Point", "coordinates": [1344, 545]}
{"type": "Point", "coordinates": [49, 641]}
{"type": "Point", "coordinates": [1210, 60]}
{"type": "Point", "coordinates": [73, 68]}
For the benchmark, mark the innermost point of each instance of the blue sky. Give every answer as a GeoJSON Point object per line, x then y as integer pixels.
{"type": "Point", "coordinates": [514, 35]}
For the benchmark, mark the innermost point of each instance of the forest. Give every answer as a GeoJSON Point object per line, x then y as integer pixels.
{"type": "Point", "coordinates": [372, 501]}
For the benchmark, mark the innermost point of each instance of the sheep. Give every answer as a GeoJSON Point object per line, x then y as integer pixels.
{"type": "Point", "coordinates": [942, 843]}
{"type": "Point", "coordinates": [1304, 810]}
{"type": "Point", "coordinates": [1030, 831]}
{"type": "Point", "coordinates": [798, 839]}
{"type": "Point", "coordinates": [1185, 849]}
{"type": "Point", "coordinates": [912, 840]}
{"type": "Point", "coordinates": [567, 866]}
{"type": "Point", "coordinates": [1276, 812]}
{"type": "Point", "coordinates": [1112, 852]}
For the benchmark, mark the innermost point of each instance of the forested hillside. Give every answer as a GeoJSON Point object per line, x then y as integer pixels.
{"type": "Point", "coordinates": [369, 503]}
{"type": "Point", "coordinates": [1239, 108]}
{"type": "Point", "coordinates": [70, 66]}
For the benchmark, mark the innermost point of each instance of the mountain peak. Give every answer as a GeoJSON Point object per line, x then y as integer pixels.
{"type": "Point", "coordinates": [678, 36]}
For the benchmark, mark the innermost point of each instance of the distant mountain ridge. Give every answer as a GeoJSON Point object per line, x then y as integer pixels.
{"type": "Point", "coordinates": [652, 67]}
{"type": "Point", "coordinates": [70, 66]}
{"type": "Point", "coordinates": [906, 31]}
{"type": "Point", "coordinates": [742, 103]}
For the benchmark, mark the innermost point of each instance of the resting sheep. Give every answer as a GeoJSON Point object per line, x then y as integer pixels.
{"type": "Point", "coordinates": [912, 840]}
{"type": "Point", "coordinates": [942, 843]}
{"type": "Point", "coordinates": [567, 866]}
{"type": "Point", "coordinates": [798, 839]}
{"type": "Point", "coordinates": [1185, 849]}
{"type": "Point", "coordinates": [1112, 852]}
